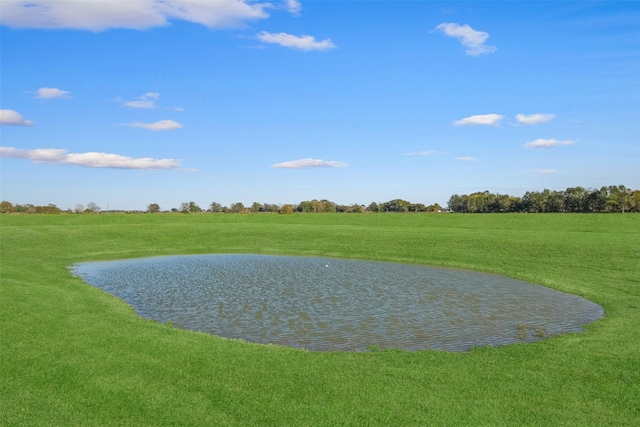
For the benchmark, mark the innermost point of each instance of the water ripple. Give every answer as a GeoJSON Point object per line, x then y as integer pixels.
{"type": "Point", "coordinates": [323, 304]}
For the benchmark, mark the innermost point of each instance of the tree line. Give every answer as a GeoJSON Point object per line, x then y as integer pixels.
{"type": "Point", "coordinates": [8, 207]}
{"type": "Point", "coordinates": [307, 206]}
{"type": "Point", "coordinates": [614, 198]}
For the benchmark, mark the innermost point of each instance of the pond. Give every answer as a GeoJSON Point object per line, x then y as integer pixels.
{"type": "Point", "coordinates": [327, 304]}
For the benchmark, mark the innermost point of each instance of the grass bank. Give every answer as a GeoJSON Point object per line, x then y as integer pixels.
{"type": "Point", "coordinates": [74, 355]}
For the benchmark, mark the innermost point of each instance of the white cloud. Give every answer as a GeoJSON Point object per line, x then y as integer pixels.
{"type": "Point", "coordinates": [160, 125]}
{"type": "Point", "coordinates": [480, 120]}
{"type": "Point", "coordinates": [309, 163]}
{"type": "Point", "coordinates": [99, 15]}
{"type": "Point", "coordinates": [107, 160]}
{"type": "Point", "coordinates": [425, 153]}
{"type": "Point", "coordinates": [148, 100]}
{"type": "Point", "coordinates": [472, 39]}
{"type": "Point", "coordinates": [51, 93]}
{"type": "Point", "coordinates": [90, 159]}
{"type": "Point", "coordinates": [534, 119]}
{"type": "Point", "coordinates": [295, 42]}
{"type": "Point", "coordinates": [294, 7]}
{"type": "Point", "coordinates": [39, 155]}
{"type": "Point", "coordinates": [467, 159]}
{"type": "Point", "coordinates": [548, 143]}
{"type": "Point", "coordinates": [13, 118]}
{"type": "Point", "coordinates": [214, 14]}
{"type": "Point", "coordinates": [545, 171]}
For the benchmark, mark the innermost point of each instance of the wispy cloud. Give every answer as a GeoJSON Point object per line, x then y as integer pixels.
{"type": "Point", "coordinates": [148, 100]}
{"type": "Point", "coordinates": [534, 119]}
{"type": "Point", "coordinates": [473, 40]}
{"type": "Point", "coordinates": [39, 155]}
{"type": "Point", "coordinates": [294, 7]}
{"type": "Point", "coordinates": [51, 93]}
{"type": "Point", "coordinates": [89, 159]}
{"type": "Point", "coordinates": [305, 43]}
{"type": "Point", "coordinates": [99, 15]}
{"type": "Point", "coordinates": [159, 125]}
{"type": "Point", "coordinates": [309, 163]}
{"type": "Point", "coordinates": [545, 171]}
{"type": "Point", "coordinates": [425, 153]}
{"type": "Point", "coordinates": [548, 143]}
{"type": "Point", "coordinates": [13, 118]}
{"type": "Point", "coordinates": [467, 159]}
{"type": "Point", "coordinates": [480, 120]}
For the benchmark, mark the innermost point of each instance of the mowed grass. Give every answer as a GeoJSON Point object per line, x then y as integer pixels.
{"type": "Point", "coordinates": [72, 354]}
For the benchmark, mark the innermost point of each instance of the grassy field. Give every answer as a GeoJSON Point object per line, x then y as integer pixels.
{"type": "Point", "coordinates": [71, 354]}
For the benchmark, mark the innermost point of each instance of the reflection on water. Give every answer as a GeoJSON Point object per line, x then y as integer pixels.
{"type": "Point", "coordinates": [324, 304]}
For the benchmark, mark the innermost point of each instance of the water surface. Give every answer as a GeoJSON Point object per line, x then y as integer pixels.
{"type": "Point", "coordinates": [325, 304]}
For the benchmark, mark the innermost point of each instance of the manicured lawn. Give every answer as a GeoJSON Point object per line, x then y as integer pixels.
{"type": "Point", "coordinates": [71, 354]}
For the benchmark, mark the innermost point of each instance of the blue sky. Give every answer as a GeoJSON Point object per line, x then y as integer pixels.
{"type": "Point", "coordinates": [127, 103]}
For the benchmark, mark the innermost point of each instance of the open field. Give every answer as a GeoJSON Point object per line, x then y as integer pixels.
{"type": "Point", "coordinates": [74, 355]}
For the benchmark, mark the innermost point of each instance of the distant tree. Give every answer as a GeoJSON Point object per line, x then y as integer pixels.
{"type": "Point", "coordinates": [93, 208]}
{"type": "Point", "coordinates": [153, 208]}
{"type": "Point", "coordinates": [555, 202]}
{"type": "Point", "coordinates": [354, 208]}
{"type": "Point", "coordinates": [215, 207]}
{"type": "Point", "coordinates": [534, 201]}
{"type": "Point", "coordinates": [79, 208]}
{"type": "Point", "coordinates": [189, 207]}
{"type": "Point", "coordinates": [498, 203]}
{"type": "Point", "coordinates": [373, 207]}
{"type": "Point", "coordinates": [599, 201]}
{"type": "Point", "coordinates": [396, 205]}
{"type": "Point", "coordinates": [357, 208]}
{"type": "Point", "coordinates": [479, 202]}
{"type": "Point", "coordinates": [574, 199]}
{"type": "Point", "coordinates": [48, 209]}
{"type": "Point", "coordinates": [305, 206]}
{"type": "Point", "coordinates": [286, 209]}
{"type": "Point", "coordinates": [417, 207]}
{"type": "Point", "coordinates": [310, 206]}
{"type": "Point", "coordinates": [237, 207]}
{"type": "Point", "coordinates": [634, 201]}
{"type": "Point", "coordinates": [319, 206]}
{"type": "Point", "coordinates": [434, 208]}
{"type": "Point", "coordinates": [619, 198]}
{"type": "Point", "coordinates": [268, 207]}
{"type": "Point", "coordinates": [6, 207]}
{"type": "Point", "coordinates": [458, 203]}
{"type": "Point", "coordinates": [256, 207]}
{"type": "Point", "coordinates": [327, 206]}
{"type": "Point", "coordinates": [194, 208]}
